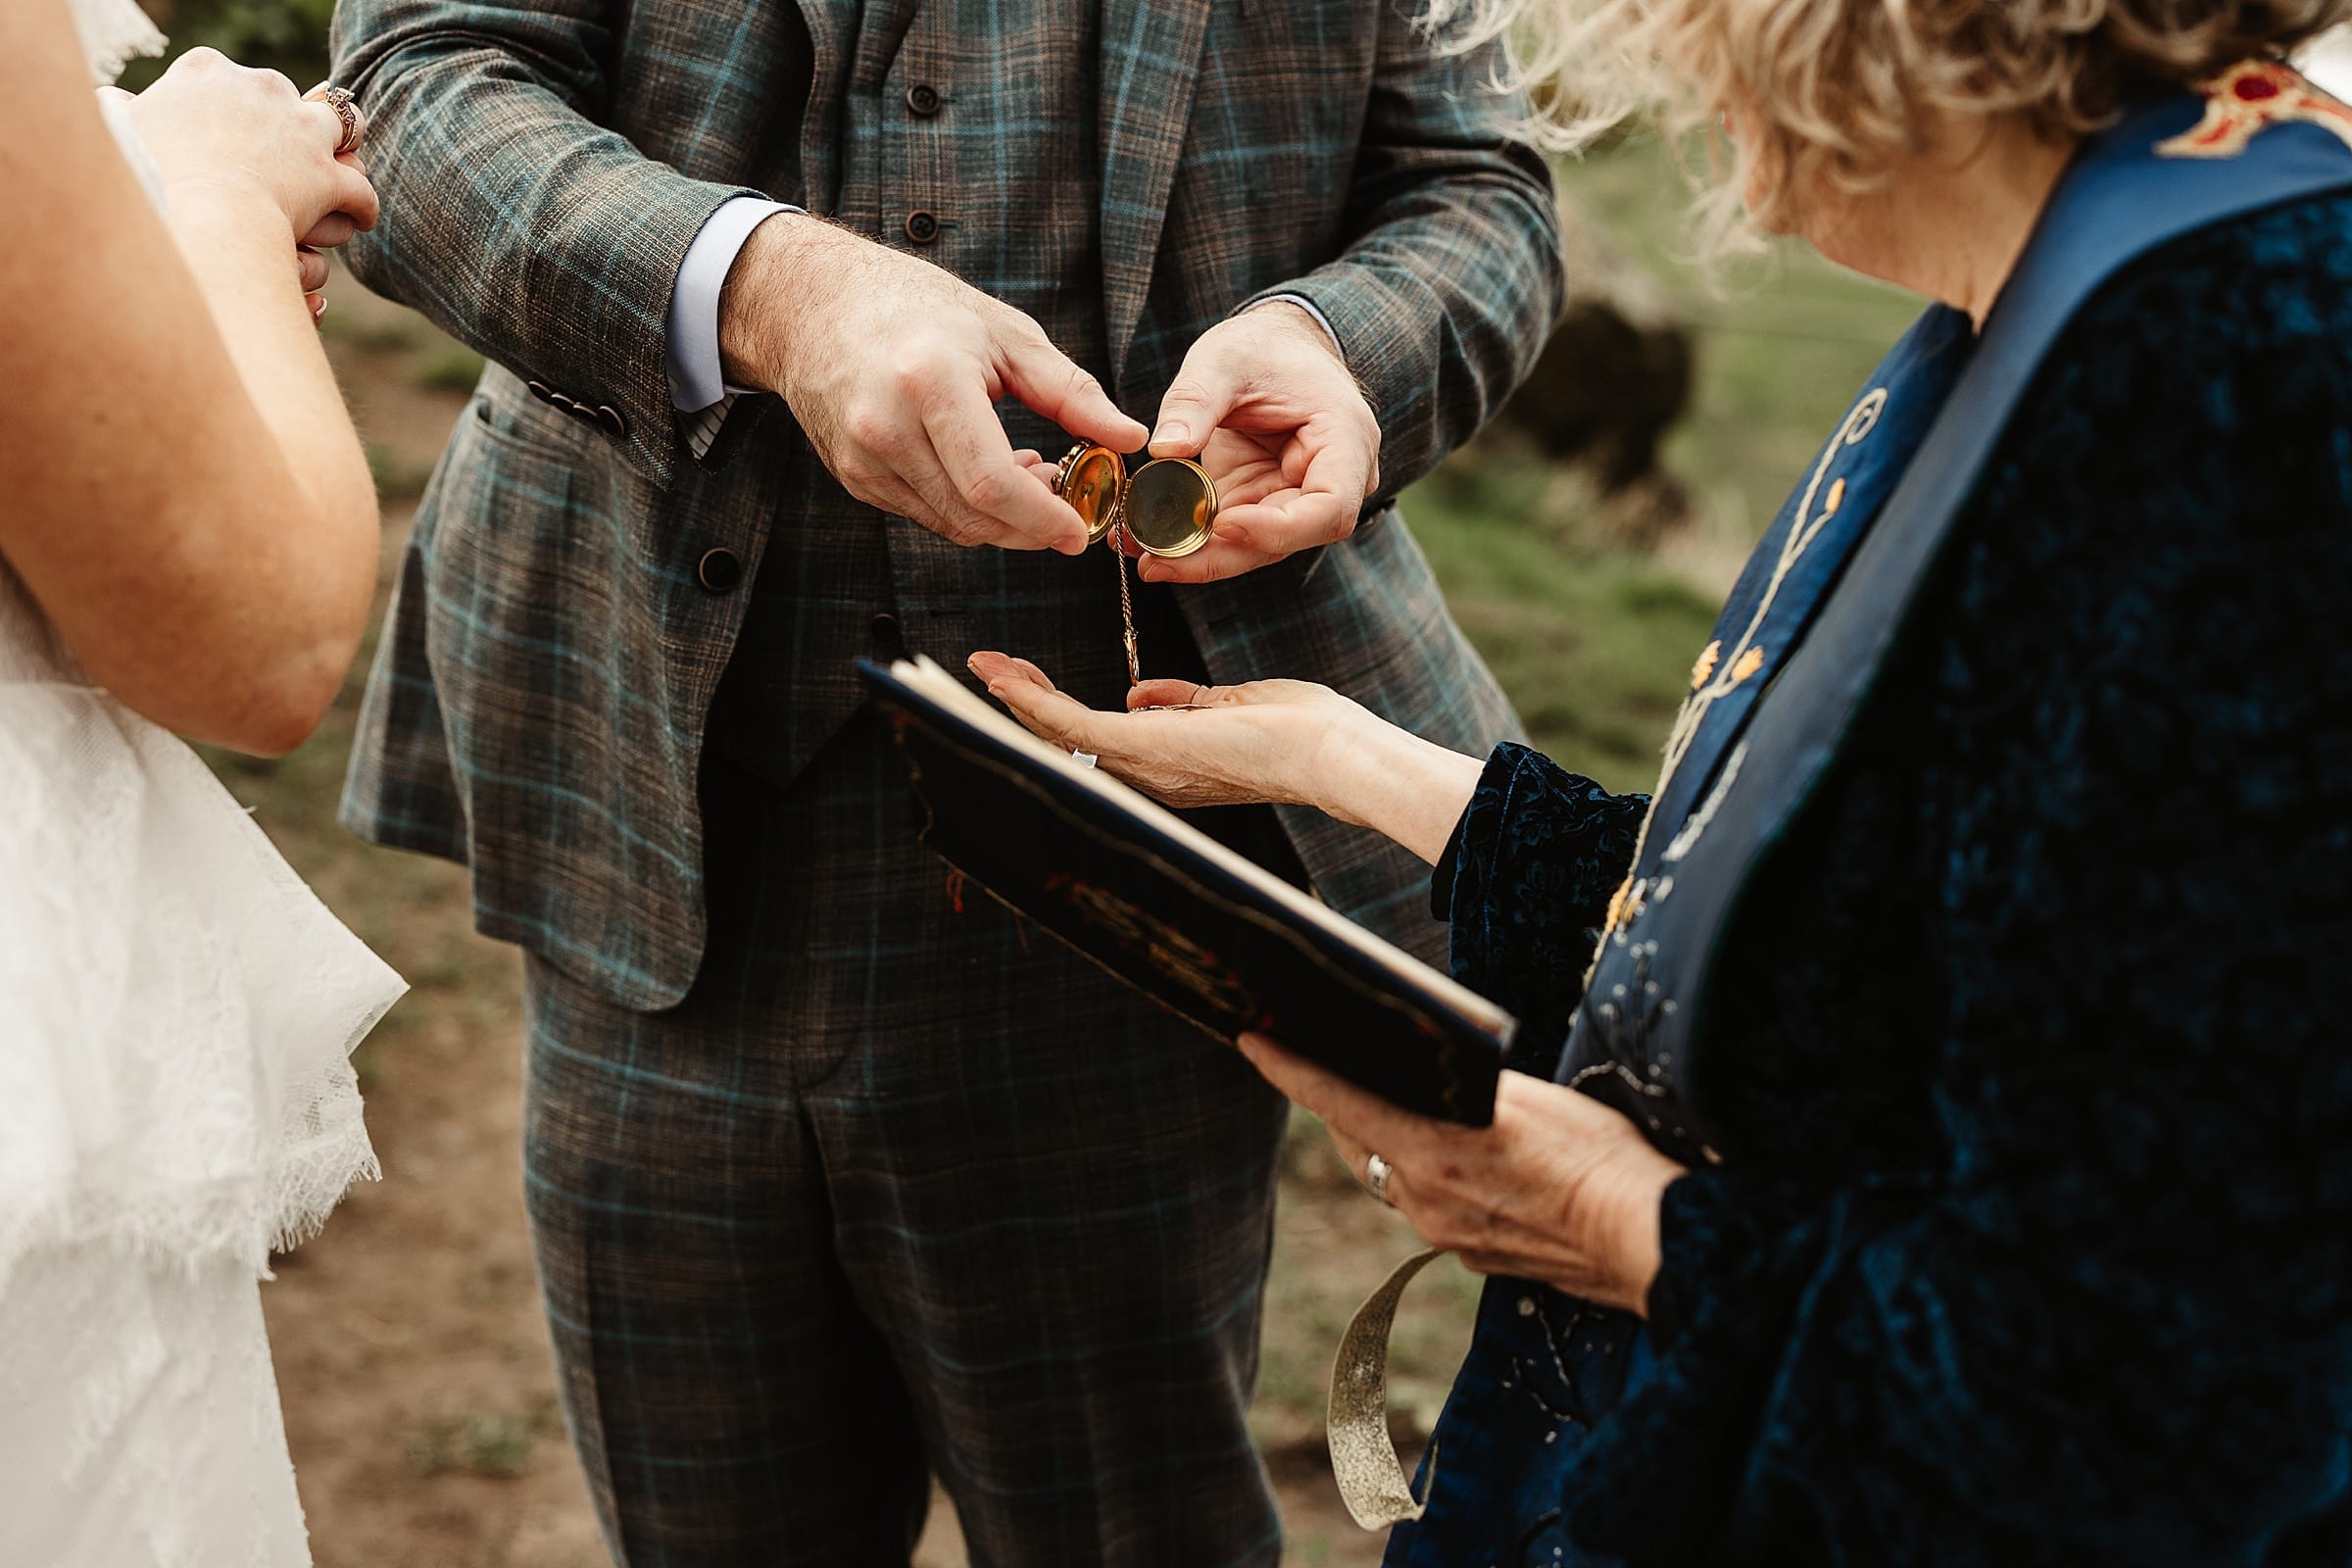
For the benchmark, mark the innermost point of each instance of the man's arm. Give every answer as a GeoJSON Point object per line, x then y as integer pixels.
{"type": "Point", "coordinates": [513, 219]}
{"type": "Point", "coordinates": [1451, 279]}
{"type": "Point", "coordinates": [555, 247]}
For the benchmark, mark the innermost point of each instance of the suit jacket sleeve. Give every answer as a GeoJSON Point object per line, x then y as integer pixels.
{"type": "Point", "coordinates": [510, 216]}
{"type": "Point", "coordinates": [1452, 277]}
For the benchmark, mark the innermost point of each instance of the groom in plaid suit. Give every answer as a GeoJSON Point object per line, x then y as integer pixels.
{"type": "Point", "coordinates": [838, 1178]}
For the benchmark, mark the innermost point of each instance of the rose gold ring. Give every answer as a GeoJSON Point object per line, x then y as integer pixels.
{"type": "Point", "coordinates": [347, 110]}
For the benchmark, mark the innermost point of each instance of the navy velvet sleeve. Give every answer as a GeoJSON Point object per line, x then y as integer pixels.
{"type": "Point", "coordinates": [1524, 884]}
{"type": "Point", "coordinates": [2101, 1310]}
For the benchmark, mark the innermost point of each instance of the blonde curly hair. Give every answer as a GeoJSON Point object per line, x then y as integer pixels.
{"type": "Point", "coordinates": [1836, 90]}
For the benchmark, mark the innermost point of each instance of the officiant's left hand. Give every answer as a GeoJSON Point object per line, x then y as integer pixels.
{"type": "Point", "coordinates": [1265, 403]}
{"type": "Point", "coordinates": [1560, 1189]}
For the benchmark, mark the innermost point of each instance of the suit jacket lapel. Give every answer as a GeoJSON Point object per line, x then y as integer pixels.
{"type": "Point", "coordinates": [832, 34]}
{"type": "Point", "coordinates": [1151, 62]}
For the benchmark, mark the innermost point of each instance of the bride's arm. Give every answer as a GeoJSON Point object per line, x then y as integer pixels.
{"type": "Point", "coordinates": [180, 484]}
{"type": "Point", "coordinates": [1282, 740]}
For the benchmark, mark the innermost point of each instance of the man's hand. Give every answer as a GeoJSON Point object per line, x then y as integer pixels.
{"type": "Point", "coordinates": [892, 365]}
{"type": "Point", "coordinates": [1266, 405]}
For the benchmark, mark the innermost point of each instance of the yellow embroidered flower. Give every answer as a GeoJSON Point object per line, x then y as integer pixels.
{"type": "Point", "coordinates": [1750, 663]}
{"type": "Point", "coordinates": [1706, 665]}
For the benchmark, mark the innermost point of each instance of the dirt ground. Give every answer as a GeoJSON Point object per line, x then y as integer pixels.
{"type": "Point", "coordinates": [410, 1354]}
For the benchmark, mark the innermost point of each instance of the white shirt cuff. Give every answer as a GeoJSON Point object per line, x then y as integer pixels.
{"type": "Point", "coordinates": [1312, 308]}
{"type": "Point", "coordinates": [696, 379]}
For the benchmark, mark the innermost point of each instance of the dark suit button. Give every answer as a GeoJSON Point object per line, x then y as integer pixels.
{"type": "Point", "coordinates": [579, 411]}
{"type": "Point", "coordinates": [887, 633]}
{"type": "Point", "coordinates": [612, 421]}
{"type": "Point", "coordinates": [922, 228]}
{"type": "Point", "coordinates": [561, 401]}
{"type": "Point", "coordinates": [720, 570]}
{"type": "Point", "coordinates": [540, 390]}
{"type": "Point", "coordinates": [923, 99]}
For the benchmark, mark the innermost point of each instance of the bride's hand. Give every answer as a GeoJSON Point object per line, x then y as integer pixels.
{"type": "Point", "coordinates": [1240, 745]}
{"type": "Point", "coordinates": [211, 125]}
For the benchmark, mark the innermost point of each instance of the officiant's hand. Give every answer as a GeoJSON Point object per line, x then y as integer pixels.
{"type": "Point", "coordinates": [1268, 407]}
{"type": "Point", "coordinates": [892, 366]}
{"type": "Point", "coordinates": [1287, 742]}
{"type": "Point", "coordinates": [1560, 1189]}
{"type": "Point", "coordinates": [1184, 744]}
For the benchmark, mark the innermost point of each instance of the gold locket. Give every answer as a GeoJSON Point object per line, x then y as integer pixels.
{"type": "Point", "coordinates": [1168, 507]}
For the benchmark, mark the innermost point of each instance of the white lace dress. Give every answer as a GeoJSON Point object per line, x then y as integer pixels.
{"type": "Point", "coordinates": [176, 1100]}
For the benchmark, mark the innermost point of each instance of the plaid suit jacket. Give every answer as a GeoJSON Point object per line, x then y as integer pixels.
{"type": "Point", "coordinates": [540, 695]}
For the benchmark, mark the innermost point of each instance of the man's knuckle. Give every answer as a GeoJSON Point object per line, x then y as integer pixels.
{"type": "Point", "coordinates": [912, 374]}
{"type": "Point", "coordinates": [1019, 328]}
{"type": "Point", "coordinates": [872, 427]}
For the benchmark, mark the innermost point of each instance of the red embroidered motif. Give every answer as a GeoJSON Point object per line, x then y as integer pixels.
{"type": "Point", "coordinates": [2250, 97]}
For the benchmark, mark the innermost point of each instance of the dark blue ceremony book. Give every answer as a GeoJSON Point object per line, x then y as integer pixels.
{"type": "Point", "coordinates": [1211, 936]}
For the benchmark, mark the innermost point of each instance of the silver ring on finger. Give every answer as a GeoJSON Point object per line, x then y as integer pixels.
{"type": "Point", "coordinates": [1377, 1172]}
{"type": "Point", "coordinates": [1083, 759]}
{"type": "Point", "coordinates": [347, 110]}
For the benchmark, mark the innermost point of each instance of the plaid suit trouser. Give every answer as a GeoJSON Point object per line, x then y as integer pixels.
{"type": "Point", "coordinates": [897, 1181]}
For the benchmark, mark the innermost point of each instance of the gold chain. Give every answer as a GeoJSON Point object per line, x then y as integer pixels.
{"type": "Point", "coordinates": [1119, 549]}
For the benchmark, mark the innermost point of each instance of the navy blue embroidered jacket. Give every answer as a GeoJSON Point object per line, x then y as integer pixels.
{"type": "Point", "coordinates": [2027, 1055]}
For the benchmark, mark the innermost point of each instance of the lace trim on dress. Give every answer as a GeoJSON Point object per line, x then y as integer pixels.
{"type": "Point", "coordinates": [176, 1007]}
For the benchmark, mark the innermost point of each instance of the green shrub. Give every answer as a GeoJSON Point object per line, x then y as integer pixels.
{"type": "Point", "coordinates": [289, 35]}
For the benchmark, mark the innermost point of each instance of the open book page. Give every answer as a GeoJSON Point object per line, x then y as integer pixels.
{"type": "Point", "coordinates": [926, 677]}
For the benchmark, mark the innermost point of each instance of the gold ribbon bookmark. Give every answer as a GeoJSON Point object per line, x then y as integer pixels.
{"type": "Point", "coordinates": [1372, 1481]}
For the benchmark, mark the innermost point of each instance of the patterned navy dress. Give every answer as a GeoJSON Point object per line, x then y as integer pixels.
{"type": "Point", "coordinates": [2021, 1232]}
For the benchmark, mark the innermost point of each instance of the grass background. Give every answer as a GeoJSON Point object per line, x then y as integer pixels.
{"type": "Point", "coordinates": [1593, 641]}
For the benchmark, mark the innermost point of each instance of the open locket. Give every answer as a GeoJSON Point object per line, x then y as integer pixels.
{"type": "Point", "coordinates": [1168, 507]}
